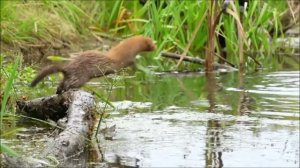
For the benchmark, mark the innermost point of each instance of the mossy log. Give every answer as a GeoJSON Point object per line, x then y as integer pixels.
{"type": "Point", "coordinates": [67, 149]}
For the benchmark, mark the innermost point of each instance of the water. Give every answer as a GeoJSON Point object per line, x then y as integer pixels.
{"type": "Point", "coordinates": [192, 120]}
{"type": "Point", "coordinates": [221, 120]}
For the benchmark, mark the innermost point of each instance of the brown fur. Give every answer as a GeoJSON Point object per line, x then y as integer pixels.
{"type": "Point", "coordinates": [92, 64]}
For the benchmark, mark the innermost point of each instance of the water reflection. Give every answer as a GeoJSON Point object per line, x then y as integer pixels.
{"type": "Point", "coordinates": [211, 87]}
{"type": "Point", "coordinates": [213, 157]}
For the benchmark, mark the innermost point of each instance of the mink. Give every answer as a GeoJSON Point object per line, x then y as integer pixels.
{"type": "Point", "coordinates": [92, 64]}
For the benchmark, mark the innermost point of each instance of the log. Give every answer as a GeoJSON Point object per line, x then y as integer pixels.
{"type": "Point", "coordinates": [68, 147]}
{"type": "Point", "coordinates": [196, 60]}
{"type": "Point", "coordinates": [52, 107]}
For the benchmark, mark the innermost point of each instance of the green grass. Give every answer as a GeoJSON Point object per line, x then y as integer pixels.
{"type": "Point", "coordinates": [5, 149]}
{"type": "Point", "coordinates": [12, 75]}
{"type": "Point", "coordinates": [7, 93]}
{"type": "Point", "coordinates": [170, 24]}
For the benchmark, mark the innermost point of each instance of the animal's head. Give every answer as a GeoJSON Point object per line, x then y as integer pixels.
{"type": "Point", "coordinates": [148, 44]}
{"type": "Point", "coordinates": [127, 49]}
{"type": "Point", "coordinates": [140, 43]}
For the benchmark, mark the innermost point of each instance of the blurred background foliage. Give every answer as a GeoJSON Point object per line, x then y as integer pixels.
{"type": "Point", "coordinates": [28, 26]}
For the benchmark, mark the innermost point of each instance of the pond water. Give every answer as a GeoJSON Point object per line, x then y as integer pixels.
{"type": "Point", "coordinates": [198, 120]}
{"type": "Point", "coordinates": [191, 120]}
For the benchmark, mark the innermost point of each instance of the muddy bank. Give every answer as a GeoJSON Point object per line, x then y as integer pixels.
{"type": "Point", "coordinates": [33, 53]}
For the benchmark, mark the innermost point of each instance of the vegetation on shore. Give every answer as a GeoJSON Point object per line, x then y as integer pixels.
{"type": "Point", "coordinates": [36, 25]}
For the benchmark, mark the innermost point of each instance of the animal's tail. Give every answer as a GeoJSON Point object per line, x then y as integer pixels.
{"type": "Point", "coordinates": [45, 72]}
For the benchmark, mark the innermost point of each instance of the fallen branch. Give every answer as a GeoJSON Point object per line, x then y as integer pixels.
{"type": "Point", "coordinates": [196, 60]}
{"type": "Point", "coordinates": [68, 147]}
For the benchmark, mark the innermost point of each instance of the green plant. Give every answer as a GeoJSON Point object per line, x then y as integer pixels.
{"type": "Point", "coordinates": [170, 23]}
{"type": "Point", "coordinates": [12, 75]}
{"type": "Point", "coordinates": [6, 149]}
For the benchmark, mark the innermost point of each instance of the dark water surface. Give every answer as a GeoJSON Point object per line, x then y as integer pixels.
{"type": "Point", "coordinates": [216, 120]}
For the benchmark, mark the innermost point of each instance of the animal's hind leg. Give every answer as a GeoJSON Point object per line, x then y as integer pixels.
{"type": "Point", "coordinates": [78, 82]}
{"type": "Point", "coordinates": [73, 82]}
{"type": "Point", "coordinates": [61, 87]}
{"type": "Point", "coordinates": [65, 85]}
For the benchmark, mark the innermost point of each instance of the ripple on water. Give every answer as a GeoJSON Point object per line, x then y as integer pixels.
{"type": "Point", "coordinates": [176, 136]}
{"type": "Point", "coordinates": [276, 83]}
{"type": "Point", "coordinates": [267, 135]}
